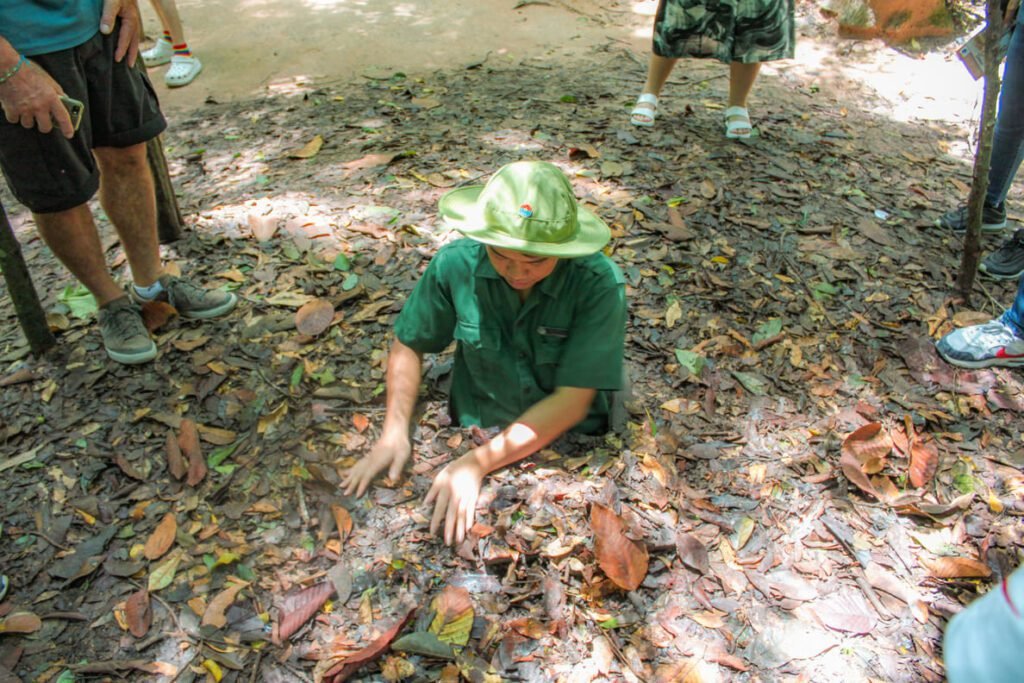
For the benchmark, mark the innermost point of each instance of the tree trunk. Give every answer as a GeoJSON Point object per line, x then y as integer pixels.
{"type": "Point", "coordinates": [983, 159]}
{"type": "Point", "coordinates": [23, 293]}
{"type": "Point", "coordinates": [168, 216]}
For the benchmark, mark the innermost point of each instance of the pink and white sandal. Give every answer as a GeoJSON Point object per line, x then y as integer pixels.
{"type": "Point", "coordinates": [645, 111]}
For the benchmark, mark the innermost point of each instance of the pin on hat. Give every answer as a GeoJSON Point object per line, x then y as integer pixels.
{"type": "Point", "coordinates": [526, 206]}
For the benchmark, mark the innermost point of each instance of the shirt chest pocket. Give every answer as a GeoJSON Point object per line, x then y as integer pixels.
{"type": "Point", "coordinates": [480, 346]}
{"type": "Point", "coordinates": [551, 345]}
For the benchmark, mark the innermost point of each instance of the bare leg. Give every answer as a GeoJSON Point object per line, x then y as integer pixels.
{"type": "Point", "coordinates": [658, 71]}
{"type": "Point", "coordinates": [169, 19]}
{"type": "Point", "coordinates": [72, 237]}
{"type": "Point", "coordinates": [741, 82]}
{"type": "Point", "coordinates": [128, 197]}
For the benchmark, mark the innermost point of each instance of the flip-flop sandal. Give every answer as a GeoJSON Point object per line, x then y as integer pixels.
{"type": "Point", "coordinates": [645, 111]}
{"type": "Point", "coordinates": [737, 123]}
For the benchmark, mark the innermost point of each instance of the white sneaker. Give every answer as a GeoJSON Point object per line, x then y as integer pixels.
{"type": "Point", "coordinates": [160, 53]}
{"type": "Point", "coordinates": [982, 346]}
{"type": "Point", "coordinates": [183, 71]}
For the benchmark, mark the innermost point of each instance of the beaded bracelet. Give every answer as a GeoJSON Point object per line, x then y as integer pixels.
{"type": "Point", "coordinates": [13, 70]}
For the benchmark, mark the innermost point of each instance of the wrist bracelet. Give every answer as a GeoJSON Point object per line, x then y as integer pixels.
{"type": "Point", "coordinates": [6, 76]}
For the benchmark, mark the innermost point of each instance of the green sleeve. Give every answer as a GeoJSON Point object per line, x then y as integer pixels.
{"type": "Point", "coordinates": [427, 321]}
{"type": "Point", "coordinates": [593, 355]}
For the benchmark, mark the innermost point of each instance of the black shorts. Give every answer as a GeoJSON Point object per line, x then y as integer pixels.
{"type": "Point", "coordinates": [49, 173]}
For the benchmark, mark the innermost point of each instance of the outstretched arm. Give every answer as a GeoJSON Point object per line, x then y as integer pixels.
{"type": "Point", "coordinates": [393, 449]}
{"type": "Point", "coordinates": [457, 487]}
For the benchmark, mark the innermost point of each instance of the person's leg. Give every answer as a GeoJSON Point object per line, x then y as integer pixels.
{"type": "Point", "coordinates": [741, 82]}
{"type": "Point", "coordinates": [1014, 316]}
{"type": "Point", "coordinates": [646, 108]}
{"type": "Point", "coordinates": [72, 237]}
{"type": "Point", "coordinates": [658, 71]}
{"type": "Point", "coordinates": [128, 196]}
{"type": "Point", "coordinates": [1008, 138]}
{"type": "Point", "coordinates": [170, 20]}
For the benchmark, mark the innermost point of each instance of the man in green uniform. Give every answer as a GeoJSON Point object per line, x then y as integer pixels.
{"type": "Point", "coordinates": [539, 317]}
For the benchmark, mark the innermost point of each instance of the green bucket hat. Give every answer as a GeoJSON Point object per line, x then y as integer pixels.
{"type": "Point", "coordinates": [526, 206]}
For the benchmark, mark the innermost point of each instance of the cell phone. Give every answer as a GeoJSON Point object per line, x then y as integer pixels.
{"type": "Point", "coordinates": [75, 109]}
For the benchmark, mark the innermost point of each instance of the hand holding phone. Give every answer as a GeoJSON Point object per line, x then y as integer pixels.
{"type": "Point", "coordinates": [75, 110]}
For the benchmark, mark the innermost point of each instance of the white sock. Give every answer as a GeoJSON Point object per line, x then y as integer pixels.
{"type": "Point", "coordinates": [151, 292]}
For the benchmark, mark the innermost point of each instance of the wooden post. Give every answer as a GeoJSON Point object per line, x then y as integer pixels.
{"type": "Point", "coordinates": [168, 215]}
{"type": "Point", "coordinates": [23, 293]}
{"type": "Point", "coordinates": [983, 159]}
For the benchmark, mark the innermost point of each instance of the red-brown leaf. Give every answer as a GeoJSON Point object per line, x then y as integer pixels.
{"type": "Point", "coordinates": [156, 314]}
{"type": "Point", "coordinates": [314, 317]}
{"type": "Point", "coordinates": [957, 567]}
{"type": "Point", "coordinates": [342, 670]}
{"type": "Point", "coordinates": [188, 442]}
{"type": "Point", "coordinates": [623, 560]}
{"type": "Point", "coordinates": [138, 613]}
{"type": "Point", "coordinates": [162, 538]}
{"type": "Point", "coordinates": [343, 520]}
{"type": "Point", "coordinates": [924, 459]}
{"type": "Point", "coordinates": [360, 422]}
{"type": "Point", "coordinates": [692, 553]}
{"type": "Point", "coordinates": [297, 609]}
{"type": "Point", "coordinates": [175, 463]}
{"type": "Point", "coordinates": [869, 445]}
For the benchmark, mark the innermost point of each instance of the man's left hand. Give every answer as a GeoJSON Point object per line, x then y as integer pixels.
{"type": "Point", "coordinates": [128, 37]}
{"type": "Point", "coordinates": [454, 494]}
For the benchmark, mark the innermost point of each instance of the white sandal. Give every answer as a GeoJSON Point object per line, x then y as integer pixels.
{"type": "Point", "coordinates": [737, 123]}
{"type": "Point", "coordinates": [182, 72]}
{"type": "Point", "coordinates": [645, 111]}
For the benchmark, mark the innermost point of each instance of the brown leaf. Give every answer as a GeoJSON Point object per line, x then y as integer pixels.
{"type": "Point", "coordinates": [215, 610]}
{"type": "Point", "coordinates": [156, 314]}
{"type": "Point", "coordinates": [360, 422]}
{"type": "Point", "coordinates": [870, 445]}
{"type": "Point", "coordinates": [20, 622]}
{"type": "Point", "coordinates": [162, 538]}
{"type": "Point", "coordinates": [864, 451]}
{"type": "Point", "coordinates": [370, 161]}
{"type": "Point", "coordinates": [188, 442]}
{"type": "Point", "coordinates": [297, 609]}
{"type": "Point", "coordinates": [309, 150]}
{"type": "Point", "coordinates": [924, 458]}
{"type": "Point", "coordinates": [846, 611]}
{"type": "Point", "coordinates": [345, 668]}
{"type": "Point", "coordinates": [314, 317]}
{"type": "Point", "coordinates": [343, 520]}
{"type": "Point", "coordinates": [956, 567]}
{"type": "Point", "coordinates": [175, 463]}
{"type": "Point", "coordinates": [692, 553]}
{"type": "Point", "coordinates": [623, 560]}
{"type": "Point", "coordinates": [138, 612]}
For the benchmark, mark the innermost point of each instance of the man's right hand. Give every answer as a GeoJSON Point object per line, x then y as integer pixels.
{"type": "Point", "coordinates": [389, 453]}
{"type": "Point", "coordinates": [32, 98]}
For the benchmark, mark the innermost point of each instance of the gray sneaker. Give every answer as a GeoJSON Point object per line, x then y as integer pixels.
{"type": "Point", "coordinates": [982, 346]}
{"type": "Point", "coordinates": [125, 336]}
{"type": "Point", "coordinates": [192, 301]}
{"type": "Point", "coordinates": [1007, 262]}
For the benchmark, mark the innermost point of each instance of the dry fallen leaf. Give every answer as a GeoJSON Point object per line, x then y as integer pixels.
{"type": "Point", "coordinates": [343, 520]}
{"type": "Point", "coordinates": [156, 314]}
{"type": "Point", "coordinates": [622, 559]}
{"type": "Point", "coordinates": [956, 568]}
{"type": "Point", "coordinates": [314, 317]}
{"type": "Point", "coordinates": [162, 538]}
{"type": "Point", "coordinates": [188, 442]}
{"type": "Point", "coordinates": [20, 622]}
{"type": "Point", "coordinates": [175, 463]}
{"type": "Point", "coordinates": [924, 459]}
{"type": "Point", "coordinates": [215, 610]}
{"type": "Point", "coordinates": [138, 612]}
{"type": "Point", "coordinates": [309, 150]}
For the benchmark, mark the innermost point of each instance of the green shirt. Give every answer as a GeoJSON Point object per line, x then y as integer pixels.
{"type": "Point", "coordinates": [570, 332]}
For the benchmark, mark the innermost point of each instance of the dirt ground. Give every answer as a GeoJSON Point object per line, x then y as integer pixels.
{"type": "Point", "coordinates": [784, 294]}
{"type": "Point", "coordinates": [254, 48]}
